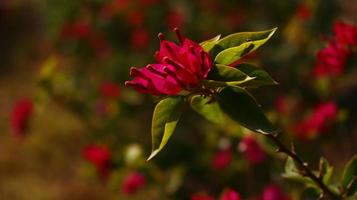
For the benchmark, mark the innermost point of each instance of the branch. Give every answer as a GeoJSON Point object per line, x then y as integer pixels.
{"type": "Point", "coordinates": [304, 167]}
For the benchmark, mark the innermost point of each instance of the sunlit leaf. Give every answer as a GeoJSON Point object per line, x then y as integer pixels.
{"type": "Point", "coordinates": [232, 47]}
{"type": "Point", "coordinates": [261, 77]}
{"type": "Point", "coordinates": [226, 73]}
{"type": "Point", "coordinates": [166, 115]}
{"type": "Point", "coordinates": [209, 44]}
{"type": "Point", "coordinates": [209, 110]}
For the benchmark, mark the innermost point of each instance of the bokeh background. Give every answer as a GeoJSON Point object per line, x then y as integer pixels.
{"type": "Point", "coordinates": [70, 129]}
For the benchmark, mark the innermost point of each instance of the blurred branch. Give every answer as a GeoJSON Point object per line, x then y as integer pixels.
{"type": "Point", "coordinates": [327, 194]}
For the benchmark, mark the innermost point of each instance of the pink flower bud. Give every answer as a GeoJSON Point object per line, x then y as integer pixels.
{"type": "Point", "coordinates": [330, 60]}
{"type": "Point", "coordinates": [251, 150]}
{"type": "Point", "coordinates": [99, 156]}
{"type": "Point", "coordinates": [222, 159]}
{"type": "Point", "coordinates": [20, 115]}
{"type": "Point", "coordinates": [230, 194]}
{"type": "Point", "coordinates": [316, 123]}
{"type": "Point", "coordinates": [273, 192]}
{"type": "Point", "coordinates": [109, 90]}
{"type": "Point", "coordinates": [178, 67]}
{"type": "Point", "coordinates": [133, 182]}
{"type": "Point", "coordinates": [345, 34]}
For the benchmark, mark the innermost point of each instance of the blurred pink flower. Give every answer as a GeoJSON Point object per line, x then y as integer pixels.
{"type": "Point", "coordinates": [133, 182]}
{"type": "Point", "coordinates": [20, 115]}
{"type": "Point", "coordinates": [76, 30]}
{"type": "Point", "coordinates": [140, 38]}
{"type": "Point", "coordinates": [273, 192]}
{"type": "Point", "coordinates": [345, 34]}
{"type": "Point", "coordinates": [200, 196]}
{"type": "Point", "coordinates": [109, 89]}
{"type": "Point", "coordinates": [330, 60]}
{"type": "Point", "coordinates": [251, 150]}
{"type": "Point", "coordinates": [179, 67]}
{"type": "Point", "coordinates": [316, 123]}
{"type": "Point", "coordinates": [230, 194]}
{"type": "Point", "coordinates": [100, 156]}
{"type": "Point", "coordinates": [222, 159]}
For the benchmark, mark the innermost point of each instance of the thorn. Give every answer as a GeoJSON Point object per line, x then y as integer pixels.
{"type": "Point", "coordinates": [179, 35]}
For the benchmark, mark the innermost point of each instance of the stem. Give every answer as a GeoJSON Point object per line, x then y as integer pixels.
{"type": "Point", "coordinates": [304, 167]}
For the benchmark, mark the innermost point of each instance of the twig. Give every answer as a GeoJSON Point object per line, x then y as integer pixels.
{"type": "Point", "coordinates": [304, 167]}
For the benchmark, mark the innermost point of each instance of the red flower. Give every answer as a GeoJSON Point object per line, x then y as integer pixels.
{"type": "Point", "coordinates": [251, 150]}
{"type": "Point", "coordinates": [230, 194]}
{"type": "Point", "coordinates": [109, 89]}
{"type": "Point", "coordinates": [20, 115]}
{"type": "Point", "coordinates": [273, 192]}
{"type": "Point", "coordinates": [139, 38]}
{"type": "Point", "coordinates": [200, 196]}
{"type": "Point", "coordinates": [317, 121]}
{"type": "Point", "coordinates": [222, 159]}
{"type": "Point", "coordinates": [76, 30]}
{"type": "Point", "coordinates": [179, 67]}
{"type": "Point", "coordinates": [330, 60]}
{"type": "Point", "coordinates": [345, 34]}
{"type": "Point", "coordinates": [133, 182]}
{"type": "Point", "coordinates": [99, 156]}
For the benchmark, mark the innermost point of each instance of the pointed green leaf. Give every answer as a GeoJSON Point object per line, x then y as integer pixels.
{"type": "Point", "coordinates": [325, 170]}
{"type": "Point", "coordinates": [292, 172]}
{"type": "Point", "coordinates": [349, 178]}
{"type": "Point", "coordinates": [233, 54]}
{"type": "Point", "coordinates": [246, 41]}
{"type": "Point", "coordinates": [227, 74]}
{"type": "Point", "coordinates": [209, 44]}
{"type": "Point", "coordinates": [166, 115]}
{"type": "Point", "coordinates": [261, 77]}
{"type": "Point", "coordinates": [209, 110]}
{"type": "Point", "coordinates": [241, 107]}
{"type": "Point", "coordinates": [237, 39]}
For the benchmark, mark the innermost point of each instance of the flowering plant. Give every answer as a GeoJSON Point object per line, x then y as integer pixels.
{"type": "Point", "coordinates": [201, 74]}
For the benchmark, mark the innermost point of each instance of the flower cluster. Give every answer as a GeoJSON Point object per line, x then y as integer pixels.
{"type": "Point", "coordinates": [332, 59]}
{"type": "Point", "coordinates": [178, 67]}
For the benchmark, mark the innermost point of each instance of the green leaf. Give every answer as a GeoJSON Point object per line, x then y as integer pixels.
{"type": "Point", "coordinates": [241, 107]}
{"type": "Point", "coordinates": [349, 178]}
{"type": "Point", "coordinates": [325, 170]}
{"type": "Point", "coordinates": [209, 110]}
{"type": "Point", "coordinates": [232, 47]}
{"type": "Point", "coordinates": [209, 44]}
{"type": "Point", "coordinates": [166, 115]}
{"type": "Point", "coordinates": [227, 74]}
{"type": "Point", "coordinates": [261, 77]}
{"type": "Point", "coordinates": [292, 172]}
